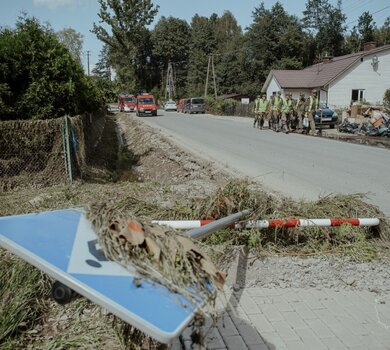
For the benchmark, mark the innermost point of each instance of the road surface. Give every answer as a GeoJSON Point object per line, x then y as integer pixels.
{"type": "Point", "coordinates": [299, 166]}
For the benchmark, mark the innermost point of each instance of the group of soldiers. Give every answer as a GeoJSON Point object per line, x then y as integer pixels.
{"type": "Point", "coordinates": [285, 114]}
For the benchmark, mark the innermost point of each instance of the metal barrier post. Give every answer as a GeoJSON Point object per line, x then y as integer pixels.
{"type": "Point", "coordinates": [68, 160]}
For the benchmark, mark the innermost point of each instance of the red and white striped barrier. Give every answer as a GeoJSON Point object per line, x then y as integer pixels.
{"type": "Point", "coordinates": [189, 224]}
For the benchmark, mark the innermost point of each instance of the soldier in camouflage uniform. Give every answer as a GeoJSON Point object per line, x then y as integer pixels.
{"type": "Point", "coordinates": [312, 105]}
{"type": "Point", "coordinates": [262, 110]}
{"type": "Point", "coordinates": [275, 111]}
{"type": "Point", "coordinates": [287, 110]}
{"type": "Point", "coordinates": [255, 110]}
{"type": "Point", "coordinates": [300, 107]}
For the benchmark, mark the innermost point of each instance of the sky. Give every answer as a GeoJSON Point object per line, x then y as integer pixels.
{"type": "Point", "coordinates": [81, 14]}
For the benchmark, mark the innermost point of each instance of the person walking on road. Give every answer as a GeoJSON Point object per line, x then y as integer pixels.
{"type": "Point", "coordinates": [256, 111]}
{"type": "Point", "coordinates": [300, 107]}
{"type": "Point", "coordinates": [312, 107]}
{"type": "Point", "coordinates": [287, 109]}
{"type": "Point", "coordinates": [262, 111]}
{"type": "Point", "coordinates": [275, 111]}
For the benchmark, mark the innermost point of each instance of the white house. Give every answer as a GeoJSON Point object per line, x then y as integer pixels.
{"type": "Point", "coordinates": [361, 76]}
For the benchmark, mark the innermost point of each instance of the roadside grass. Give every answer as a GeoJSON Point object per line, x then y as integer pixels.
{"type": "Point", "coordinates": [24, 290]}
{"type": "Point", "coordinates": [360, 243]}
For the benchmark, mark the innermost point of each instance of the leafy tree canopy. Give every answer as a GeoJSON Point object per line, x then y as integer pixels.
{"type": "Point", "coordinates": [366, 26]}
{"type": "Point", "coordinates": [124, 30]}
{"type": "Point", "coordinates": [73, 41]}
{"type": "Point", "coordinates": [327, 24]}
{"type": "Point", "coordinates": [39, 78]}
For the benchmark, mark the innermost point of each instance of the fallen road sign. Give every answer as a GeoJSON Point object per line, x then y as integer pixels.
{"type": "Point", "coordinates": [63, 244]}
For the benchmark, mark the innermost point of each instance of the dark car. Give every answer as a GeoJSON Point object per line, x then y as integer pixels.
{"type": "Point", "coordinates": [194, 105]}
{"type": "Point", "coordinates": [326, 116]}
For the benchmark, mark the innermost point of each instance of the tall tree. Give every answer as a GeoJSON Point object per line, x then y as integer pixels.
{"type": "Point", "coordinates": [230, 56]}
{"type": "Point", "coordinates": [366, 27]}
{"type": "Point", "coordinates": [202, 45]}
{"type": "Point", "coordinates": [127, 37]}
{"type": "Point", "coordinates": [326, 23]}
{"type": "Point", "coordinates": [352, 41]}
{"type": "Point", "coordinates": [102, 76]}
{"type": "Point", "coordinates": [382, 34]}
{"type": "Point", "coordinates": [274, 40]}
{"type": "Point", "coordinates": [72, 40]}
{"type": "Point", "coordinates": [171, 43]}
{"type": "Point", "coordinates": [102, 68]}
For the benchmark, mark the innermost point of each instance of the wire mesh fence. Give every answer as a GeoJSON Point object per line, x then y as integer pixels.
{"type": "Point", "coordinates": [44, 152]}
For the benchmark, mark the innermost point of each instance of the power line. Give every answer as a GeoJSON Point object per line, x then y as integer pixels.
{"type": "Point", "coordinates": [357, 6]}
{"type": "Point", "coordinates": [385, 8]}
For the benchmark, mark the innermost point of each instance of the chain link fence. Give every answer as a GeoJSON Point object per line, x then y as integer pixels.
{"type": "Point", "coordinates": [44, 152]}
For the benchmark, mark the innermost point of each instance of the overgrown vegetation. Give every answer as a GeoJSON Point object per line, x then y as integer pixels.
{"type": "Point", "coordinates": [39, 78]}
{"type": "Point", "coordinates": [22, 291]}
{"type": "Point", "coordinates": [357, 242]}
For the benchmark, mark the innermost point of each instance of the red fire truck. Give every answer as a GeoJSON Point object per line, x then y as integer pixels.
{"type": "Point", "coordinates": [127, 103]}
{"type": "Point", "coordinates": [146, 105]}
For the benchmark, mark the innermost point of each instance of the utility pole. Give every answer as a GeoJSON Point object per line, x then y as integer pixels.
{"type": "Point", "coordinates": [170, 86]}
{"type": "Point", "coordinates": [211, 62]}
{"type": "Point", "coordinates": [215, 84]}
{"type": "Point", "coordinates": [88, 52]}
{"type": "Point", "coordinates": [207, 77]}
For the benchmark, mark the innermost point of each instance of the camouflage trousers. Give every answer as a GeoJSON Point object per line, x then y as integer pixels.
{"type": "Point", "coordinates": [260, 117]}
{"type": "Point", "coordinates": [274, 120]}
{"type": "Point", "coordinates": [312, 124]}
{"type": "Point", "coordinates": [284, 122]}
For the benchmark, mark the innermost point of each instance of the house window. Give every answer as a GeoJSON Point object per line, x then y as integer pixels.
{"type": "Point", "coordinates": [357, 95]}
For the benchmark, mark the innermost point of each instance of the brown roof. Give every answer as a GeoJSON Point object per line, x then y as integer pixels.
{"type": "Point", "coordinates": [319, 74]}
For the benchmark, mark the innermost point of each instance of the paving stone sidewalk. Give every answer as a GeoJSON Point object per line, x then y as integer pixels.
{"type": "Point", "coordinates": [260, 318]}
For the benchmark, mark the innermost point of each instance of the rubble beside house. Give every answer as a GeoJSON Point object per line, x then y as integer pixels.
{"type": "Point", "coordinates": [366, 120]}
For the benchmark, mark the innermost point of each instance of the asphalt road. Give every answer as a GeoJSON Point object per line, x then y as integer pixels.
{"type": "Point", "coordinates": [296, 165]}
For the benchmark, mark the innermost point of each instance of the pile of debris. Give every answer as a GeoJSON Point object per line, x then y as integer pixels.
{"type": "Point", "coordinates": [156, 254]}
{"type": "Point", "coordinates": [378, 124]}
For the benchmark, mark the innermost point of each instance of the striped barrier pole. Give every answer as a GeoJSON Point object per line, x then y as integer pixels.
{"type": "Point", "coordinates": [192, 224]}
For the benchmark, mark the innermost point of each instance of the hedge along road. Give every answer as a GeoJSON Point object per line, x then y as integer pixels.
{"type": "Point", "coordinates": [295, 165]}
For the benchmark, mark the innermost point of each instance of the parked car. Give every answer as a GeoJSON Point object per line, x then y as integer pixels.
{"type": "Point", "coordinates": [146, 105]}
{"type": "Point", "coordinates": [126, 103]}
{"type": "Point", "coordinates": [326, 116]}
{"type": "Point", "coordinates": [180, 105]}
{"type": "Point", "coordinates": [194, 105]}
{"type": "Point", "coordinates": [170, 106]}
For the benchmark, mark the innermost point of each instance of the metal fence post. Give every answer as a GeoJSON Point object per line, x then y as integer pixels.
{"type": "Point", "coordinates": [66, 145]}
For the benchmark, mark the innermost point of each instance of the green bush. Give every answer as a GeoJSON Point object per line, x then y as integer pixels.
{"type": "Point", "coordinates": [39, 79]}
